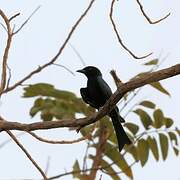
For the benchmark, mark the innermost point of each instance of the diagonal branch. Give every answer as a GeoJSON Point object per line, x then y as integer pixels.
{"type": "Point", "coordinates": [26, 21]}
{"type": "Point", "coordinates": [81, 122]}
{"type": "Point", "coordinates": [27, 154]}
{"type": "Point", "coordinates": [146, 16]}
{"type": "Point", "coordinates": [118, 36]}
{"type": "Point", "coordinates": [40, 68]}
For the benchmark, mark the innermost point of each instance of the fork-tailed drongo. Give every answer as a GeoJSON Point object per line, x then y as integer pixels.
{"type": "Point", "coordinates": [96, 94]}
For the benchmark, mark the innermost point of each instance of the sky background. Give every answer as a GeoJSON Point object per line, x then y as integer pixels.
{"type": "Point", "coordinates": [40, 40]}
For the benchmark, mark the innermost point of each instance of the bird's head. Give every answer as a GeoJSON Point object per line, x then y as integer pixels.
{"type": "Point", "coordinates": [90, 71]}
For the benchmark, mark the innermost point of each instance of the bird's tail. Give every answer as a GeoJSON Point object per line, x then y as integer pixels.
{"type": "Point", "coordinates": [115, 113]}
{"type": "Point", "coordinates": [121, 135]}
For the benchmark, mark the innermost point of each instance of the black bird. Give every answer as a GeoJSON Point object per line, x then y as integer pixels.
{"type": "Point", "coordinates": [96, 94]}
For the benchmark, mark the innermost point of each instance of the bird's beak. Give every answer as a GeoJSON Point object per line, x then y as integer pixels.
{"type": "Point", "coordinates": [81, 71]}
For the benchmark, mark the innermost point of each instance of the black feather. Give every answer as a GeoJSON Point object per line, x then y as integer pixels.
{"type": "Point", "coordinates": [96, 94]}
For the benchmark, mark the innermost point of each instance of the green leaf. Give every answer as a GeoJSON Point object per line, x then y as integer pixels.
{"type": "Point", "coordinates": [143, 151]}
{"type": "Point", "coordinates": [145, 118]}
{"type": "Point", "coordinates": [109, 170]}
{"type": "Point", "coordinates": [153, 146]}
{"type": "Point", "coordinates": [56, 104]}
{"type": "Point", "coordinates": [76, 168]}
{"type": "Point", "coordinates": [168, 122]}
{"type": "Point", "coordinates": [34, 111]}
{"type": "Point", "coordinates": [173, 137]}
{"type": "Point", "coordinates": [176, 151]}
{"type": "Point", "coordinates": [132, 127]}
{"type": "Point", "coordinates": [113, 153]}
{"type": "Point", "coordinates": [133, 151]}
{"type": "Point", "coordinates": [37, 89]}
{"type": "Point", "coordinates": [178, 131]}
{"type": "Point", "coordinates": [152, 62]}
{"type": "Point", "coordinates": [158, 118]}
{"type": "Point", "coordinates": [148, 104]}
{"type": "Point", "coordinates": [159, 87]}
{"type": "Point", "coordinates": [164, 145]}
{"type": "Point", "coordinates": [46, 116]}
{"type": "Point", "coordinates": [44, 89]}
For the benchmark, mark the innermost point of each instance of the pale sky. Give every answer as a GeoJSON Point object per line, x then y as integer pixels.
{"type": "Point", "coordinates": [96, 42]}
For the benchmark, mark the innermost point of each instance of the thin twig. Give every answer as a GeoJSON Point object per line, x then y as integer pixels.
{"type": "Point", "coordinates": [14, 16]}
{"type": "Point", "coordinates": [88, 136]}
{"type": "Point", "coordinates": [70, 173]}
{"type": "Point", "coordinates": [47, 165]}
{"type": "Point", "coordinates": [135, 93]}
{"type": "Point", "coordinates": [64, 68]}
{"type": "Point", "coordinates": [118, 36]}
{"type": "Point", "coordinates": [26, 21]}
{"type": "Point", "coordinates": [40, 68]}
{"type": "Point", "coordinates": [4, 27]}
{"type": "Point", "coordinates": [117, 80]}
{"type": "Point", "coordinates": [78, 55]}
{"type": "Point", "coordinates": [27, 154]}
{"type": "Point", "coordinates": [85, 157]}
{"type": "Point", "coordinates": [146, 16]}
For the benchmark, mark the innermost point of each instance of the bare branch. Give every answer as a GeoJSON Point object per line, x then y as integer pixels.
{"type": "Point", "coordinates": [146, 16]}
{"type": "Point", "coordinates": [47, 165]}
{"type": "Point", "coordinates": [117, 81]}
{"type": "Point", "coordinates": [78, 55]}
{"type": "Point", "coordinates": [64, 68]}
{"type": "Point", "coordinates": [6, 51]}
{"type": "Point", "coordinates": [4, 27]}
{"type": "Point", "coordinates": [81, 122]}
{"type": "Point", "coordinates": [70, 173]}
{"type": "Point", "coordinates": [26, 21]}
{"type": "Point", "coordinates": [27, 154]}
{"type": "Point", "coordinates": [40, 68]}
{"type": "Point", "coordinates": [14, 16]}
{"type": "Point", "coordinates": [118, 36]}
{"type": "Point", "coordinates": [88, 136]}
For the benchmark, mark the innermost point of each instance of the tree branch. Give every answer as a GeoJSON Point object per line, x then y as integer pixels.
{"type": "Point", "coordinates": [53, 60]}
{"type": "Point", "coordinates": [88, 136]}
{"type": "Point", "coordinates": [6, 51]}
{"type": "Point", "coordinates": [81, 122]}
{"type": "Point", "coordinates": [26, 21]}
{"type": "Point", "coordinates": [27, 154]}
{"type": "Point", "coordinates": [146, 16]}
{"type": "Point", "coordinates": [99, 151]}
{"type": "Point", "coordinates": [118, 36]}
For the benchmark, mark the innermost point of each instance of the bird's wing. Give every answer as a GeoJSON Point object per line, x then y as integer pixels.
{"type": "Point", "coordinates": [106, 93]}
{"type": "Point", "coordinates": [86, 98]}
{"type": "Point", "coordinates": [104, 89]}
